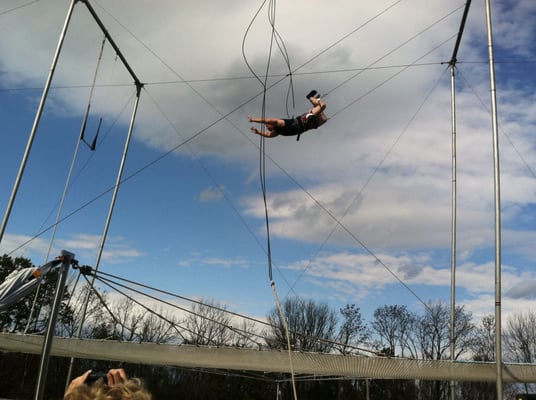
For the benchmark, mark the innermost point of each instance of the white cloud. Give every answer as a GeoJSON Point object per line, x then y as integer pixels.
{"type": "Point", "coordinates": [116, 249]}
{"type": "Point", "coordinates": [211, 194]}
{"type": "Point", "coordinates": [382, 163]}
{"type": "Point", "coordinates": [197, 259]}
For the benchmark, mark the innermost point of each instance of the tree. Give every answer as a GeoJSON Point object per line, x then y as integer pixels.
{"type": "Point", "coordinates": [520, 337]}
{"type": "Point", "coordinates": [311, 325]}
{"type": "Point", "coordinates": [353, 330]}
{"type": "Point", "coordinates": [125, 318]}
{"type": "Point", "coordinates": [393, 326]}
{"type": "Point", "coordinates": [483, 349]}
{"type": "Point", "coordinates": [208, 324]}
{"type": "Point", "coordinates": [433, 331]}
{"type": "Point", "coordinates": [433, 334]}
{"type": "Point", "coordinates": [157, 327]}
{"type": "Point", "coordinates": [393, 329]}
{"type": "Point", "coordinates": [483, 346]}
{"type": "Point", "coordinates": [244, 334]}
{"type": "Point", "coordinates": [94, 316]}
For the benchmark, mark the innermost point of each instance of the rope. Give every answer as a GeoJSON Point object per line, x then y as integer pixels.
{"type": "Point", "coordinates": [262, 157]}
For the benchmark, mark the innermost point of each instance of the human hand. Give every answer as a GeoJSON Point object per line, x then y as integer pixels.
{"type": "Point", "coordinates": [79, 380]}
{"type": "Point", "coordinates": [116, 376]}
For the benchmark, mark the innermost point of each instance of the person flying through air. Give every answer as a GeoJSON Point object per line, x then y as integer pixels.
{"type": "Point", "coordinates": [296, 126]}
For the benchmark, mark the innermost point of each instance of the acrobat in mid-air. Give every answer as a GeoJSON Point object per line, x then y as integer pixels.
{"type": "Point", "coordinates": [296, 126]}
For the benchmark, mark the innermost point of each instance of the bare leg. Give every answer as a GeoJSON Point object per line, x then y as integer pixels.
{"type": "Point", "coordinates": [271, 125]}
{"type": "Point", "coordinates": [268, 133]}
{"type": "Point", "coordinates": [267, 121]}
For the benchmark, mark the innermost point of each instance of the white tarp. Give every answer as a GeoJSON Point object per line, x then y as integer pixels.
{"type": "Point", "coordinates": [21, 282]}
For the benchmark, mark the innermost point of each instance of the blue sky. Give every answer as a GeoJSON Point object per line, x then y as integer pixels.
{"type": "Point", "coordinates": [192, 221]}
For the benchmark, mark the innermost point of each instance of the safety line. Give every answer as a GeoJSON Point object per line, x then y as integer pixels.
{"type": "Point", "coordinates": [262, 171]}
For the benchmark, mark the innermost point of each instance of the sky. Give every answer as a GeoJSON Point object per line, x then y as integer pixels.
{"type": "Point", "coordinates": [360, 210]}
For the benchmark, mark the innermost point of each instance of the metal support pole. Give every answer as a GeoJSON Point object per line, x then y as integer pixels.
{"type": "Point", "coordinates": [36, 122]}
{"type": "Point", "coordinates": [67, 258]}
{"type": "Point", "coordinates": [119, 177]}
{"type": "Point", "coordinates": [453, 231]}
{"type": "Point", "coordinates": [112, 42]}
{"type": "Point", "coordinates": [454, 195]}
{"type": "Point", "coordinates": [497, 187]}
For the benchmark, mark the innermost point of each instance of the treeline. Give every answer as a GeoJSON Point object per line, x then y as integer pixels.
{"type": "Point", "coordinates": [393, 331]}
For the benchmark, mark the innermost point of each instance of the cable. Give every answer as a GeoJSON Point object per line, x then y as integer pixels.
{"type": "Point", "coordinates": [351, 103]}
{"type": "Point", "coordinates": [114, 285]}
{"type": "Point", "coordinates": [42, 230]}
{"type": "Point", "coordinates": [349, 34]}
{"type": "Point", "coordinates": [506, 135]}
{"type": "Point", "coordinates": [116, 320]}
{"type": "Point", "coordinates": [262, 165]}
{"type": "Point", "coordinates": [18, 7]}
{"type": "Point", "coordinates": [129, 284]}
{"type": "Point", "coordinates": [400, 46]}
{"type": "Point", "coordinates": [338, 221]}
{"type": "Point", "coordinates": [236, 78]}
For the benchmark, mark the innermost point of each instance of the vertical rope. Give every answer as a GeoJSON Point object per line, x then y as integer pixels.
{"type": "Point", "coordinates": [274, 37]}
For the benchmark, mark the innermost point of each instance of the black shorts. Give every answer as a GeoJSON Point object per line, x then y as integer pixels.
{"type": "Point", "coordinates": [292, 127]}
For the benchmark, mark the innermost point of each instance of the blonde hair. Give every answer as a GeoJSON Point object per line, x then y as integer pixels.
{"type": "Point", "coordinates": [131, 389]}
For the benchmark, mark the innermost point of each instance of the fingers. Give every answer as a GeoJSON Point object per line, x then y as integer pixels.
{"type": "Point", "coordinates": [79, 380]}
{"type": "Point", "coordinates": [255, 130]}
{"type": "Point", "coordinates": [84, 376]}
{"type": "Point", "coordinates": [116, 376]}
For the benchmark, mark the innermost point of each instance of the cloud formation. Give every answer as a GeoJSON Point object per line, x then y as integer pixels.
{"type": "Point", "coordinates": [377, 178]}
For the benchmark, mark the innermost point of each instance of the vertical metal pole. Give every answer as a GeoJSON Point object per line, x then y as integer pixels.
{"type": "Point", "coordinates": [108, 219]}
{"type": "Point", "coordinates": [47, 343]}
{"type": "Point", "coordinates": [497, 188]}
{"type": "Point", "coordinates": [453, 231]}
{"type": "Point", "coordinates": [36, 122]}
{"type": "Point", "coordinates": [119, 177]}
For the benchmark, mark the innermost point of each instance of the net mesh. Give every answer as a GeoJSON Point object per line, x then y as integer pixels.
{"type": "Point", "coordinates": [351, 366]}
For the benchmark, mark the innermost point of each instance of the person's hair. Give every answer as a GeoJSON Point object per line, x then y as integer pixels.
{"type": "Point", "coordinates": [132, 389]}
